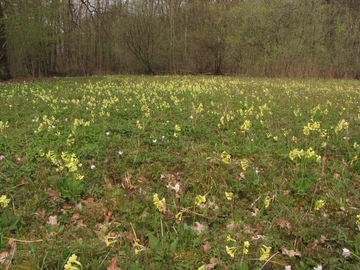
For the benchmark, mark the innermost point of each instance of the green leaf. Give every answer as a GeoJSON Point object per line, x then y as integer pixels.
{"type": "Point", "coordinates": [173, 246]}
{"type": "Point", "coordinates": [153, 241]}
{"type": "Point", "coordinates": [357, 243]}
{"type": "Point", "coordinates": [244, 266]}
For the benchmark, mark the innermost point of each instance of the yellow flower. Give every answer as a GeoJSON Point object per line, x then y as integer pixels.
{"type": "Point", "coordinates": [72, 260]}
{"type": "Point", "coordinates": [358, 220]}
{"type": "Point", "coordinates": [177, 128]}
{"type": "Point", "coordinates": [4, 201]}
{"type": "Point", "coordinates": [109, 243]}
{"type": "Point", "coordinates": [231, 251]}
{"type": "Point", "coordinates": [138, 247]}
{"type": "Point", "coordinates": [178, 216]}
{"type": "Point", "coordinates": [319, 204]}
{"type": "Point", "coordinates": [342, 125]}
{"type": "Point", "coordinates": [245, 126]}
{"type": "Point", "coordinates": [158, 203]}
{"type": "Point", "coordinates": [225, 157]}
{"type": "Point", "coordinates": [264, 253]}
{"type": "Point", "coordinates": [229, 195]}
{"type": "Point", "coordinates": [199, 200]}
{"type": "Point", "coordinates": [267, 201]}
{"type": "Point", "coordinates": [229, 239]}
{"type": "Point", "coordinates": [244, 164]}
{"type": "Point", "coordinates": [245, 248]}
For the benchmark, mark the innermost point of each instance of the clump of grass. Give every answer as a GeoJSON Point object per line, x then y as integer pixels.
{"type": "Point", "coordinates": [180, 172]}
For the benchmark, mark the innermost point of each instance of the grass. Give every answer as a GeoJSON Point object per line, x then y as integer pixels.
{"type": "Point", "coordinates": [270, 161]}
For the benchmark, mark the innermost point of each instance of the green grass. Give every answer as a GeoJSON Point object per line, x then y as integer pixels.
{"type": "Point", "coordinates": [83, 158]}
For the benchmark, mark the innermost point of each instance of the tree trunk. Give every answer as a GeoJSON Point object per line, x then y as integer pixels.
{"type": "Point", "coordinates": [4, 65]}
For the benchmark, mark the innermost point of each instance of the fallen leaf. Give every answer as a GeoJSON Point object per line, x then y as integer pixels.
{"type": "Point", "coordinates": [290, 253]}
{"type": "Point", "coordinates": [206, 247]}
{"type": "Point", "coordinates": [317, 242]}
{"type": "Point", "coordinates": [113, 265]}
{"type": "Point", "coordinates": [199, 228]}
{"type": "Point", "coordinates": [3, 257]}
{"type": "Point", "coordinates": [336, 175]}
{"type": "Point", "coordinates": [12, 249]}
{"type": "Point", "coordinates": [230, 226]}
{"type": "Point", "coordinates": [52, 220]}
{"type": "Point", "coordinates": [283, 223]}
{"type": "Point", "coordinates": [54, 194]}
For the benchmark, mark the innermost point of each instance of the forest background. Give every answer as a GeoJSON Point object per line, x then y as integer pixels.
{"type": "Point", "coordinates": [296, 38]}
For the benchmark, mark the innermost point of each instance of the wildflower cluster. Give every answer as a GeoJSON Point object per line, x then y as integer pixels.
{"type": "Point", "coordinates": [199, 199]}
{"type": "Point", "coordinates": [245, 126]}
{"type": "Point", "coordinates": [225, 157]}
{"type": "Point", "coordinates": [72, 263]}
{"type": "Point", "coordinates": [177, 129]}
{"type": "Point", "coordinates": [319, 204]}
{"type": "Point", "coordinates": [158, 203]}
{"type": "Point", "coordinates": [231, 250]}
{"type": "Point", "coordinates": [342, 125]}
{"type": "Point", "coordinates": [69, 161]}
{"type": "Point", "coordinates": [302, 154]}
{"type": "Point", "coordinates": [4, 201]}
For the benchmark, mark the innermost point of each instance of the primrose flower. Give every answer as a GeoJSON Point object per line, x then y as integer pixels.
{"type": "Point", "coordinates": [346, 253]}
{"type": "Point", "coordinates": [158, 203]}
{"type": "Point", "coordinates": [319, 204]}
{"type": "Point", "coordinates": [109, 240]}
{"type": "Point", "coordinates": [245, 248]}
{"type": "Point", "coordinates": [178, 216]}
{"type": "Point", "coordinates": [138, 247]}
{"type": "Point", "coordinates": [230, 239]}
{"type": "Point", "coordinates": [245, 126]}
{"type": "Point", "coordinates": [358, 220]}
{"type": "Point", "coordinates": [244, 164]}
{"type": "Point", "coordinates": [225, 157]}
{"type": "Point", "coordinates": [229, 195]}
{"type": "Point", "coordinates": [267, 201]}
{"type": "Point", "coordinates": [264, 253]}
{"type": "Point", "coordinates": [231, 251]}
{"type": "Point", "coordinates": [177, 128]}
{"type": "Point", "coordinates": [72, 260]}
{"type": "Point", "coordinates": [4, 201]}
{"type": "Point", "coordinates": [342, 125]}
{"type": "Point", "coordinates": [199, 200]}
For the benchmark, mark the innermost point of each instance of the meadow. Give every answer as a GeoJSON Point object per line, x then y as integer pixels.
{"type": "Point", "coordinates": [180, 172]}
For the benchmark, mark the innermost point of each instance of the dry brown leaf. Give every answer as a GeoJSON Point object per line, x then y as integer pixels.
{"type": "Point", "coordinates": [4, 256]}
{"type": "Point", "coordinates": [54, 194]}
{"type": "Point", "coordinates": [11, 253]}
{"type": "Point", "coordinates": [290, 253]}
{"type": "Point", "coordinates": [336, 175]}
{"type": "Point", "coordinates": [317, 242]}
{"type": "Point", "coordinates": [230, 226]}
{"type": "Point", "coordinates": [108, 216]}
{"type": "Point", "coordinates": [199, 228]}
{"type": "Point", "coordinates": [283, 223]}
{"type": "Point", "coordinates": [113, 265]}
{"type": "Point", "coordinates": [206, 247]}
{"type": "Point", "coordinates": [52, 220]}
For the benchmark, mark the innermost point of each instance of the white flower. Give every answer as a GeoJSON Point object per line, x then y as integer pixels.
{"type": "Point", "coordinates": [107, 133]}
{"type": "Point", "coordinates": [154, 140]}
{"type": "Point", "coordinates": [92, 167]}
{"type": "Point", "coordinates": [2, 157]}
{"type": "Point", "coordinates": [346, 253]}
{"type": "Point", "coordinates": [319, 267]}
{"type": "Point", "coordinates": [120, 152]}
{"type": "Point", "coordinates": [288, 267]}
